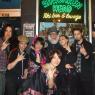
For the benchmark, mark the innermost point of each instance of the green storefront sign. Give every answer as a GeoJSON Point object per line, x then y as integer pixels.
{"type": "Point", "coordinates": [71, 11]}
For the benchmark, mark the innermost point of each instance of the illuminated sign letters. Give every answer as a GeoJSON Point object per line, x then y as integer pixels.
{"type": "Point", "coordinates": [65, 10]}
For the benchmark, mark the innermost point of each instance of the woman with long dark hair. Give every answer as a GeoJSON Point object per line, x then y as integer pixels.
{"type": "Point", "coordinates": [6, 45]}
{"type": "Point", "coordinates": [9, 37]}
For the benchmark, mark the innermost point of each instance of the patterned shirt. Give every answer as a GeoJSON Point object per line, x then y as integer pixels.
{"type": "Point", "coordinates": [78, 62]}
{"type": "Point", "coordinates": [3, 58]}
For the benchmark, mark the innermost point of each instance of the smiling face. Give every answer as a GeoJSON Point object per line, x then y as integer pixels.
{"type": "Point", "coordinates": [38, 46]}
{"type": "Point", "coordinates": [63, 41]}
{"type": "Point", "coordinates": [53, 38]}
{"type": "Point", "coordinates": [22, 46]}
{"type": "Point", "coordinates": [53, 35]}
{"type": "Point", "coordinates": [55, 60]}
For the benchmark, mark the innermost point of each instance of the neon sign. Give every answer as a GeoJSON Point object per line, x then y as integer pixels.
{"type": "Point", "coordinates": [58, 4]}
{"type": "Point", "coordinates": [66, 16]}
{"type": "Point", "coordinates": [61, 8]}
{"type": "Point", "coordinates": [68, 10]}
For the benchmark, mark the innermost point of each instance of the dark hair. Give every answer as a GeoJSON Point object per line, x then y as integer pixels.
{"type": "Point", "coordinates": [52, 52]}
{"type": "Point", "coordinates": [78, 29]}
{"type": "Point", "coordinates": [4, 28]}
{"type": "Point", "coordinates": [39, 39]}
{"type": "Point", "coordinates": [64, 36]}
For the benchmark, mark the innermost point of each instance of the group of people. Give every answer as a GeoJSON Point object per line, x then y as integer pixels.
{"type": "Point", "coordinates": [49, 66]}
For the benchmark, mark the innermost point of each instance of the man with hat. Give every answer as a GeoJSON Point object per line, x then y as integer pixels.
{"type": "Point", "coordinates": [53, 38]}
{"type": "Point", "coordinates": [17, 66]}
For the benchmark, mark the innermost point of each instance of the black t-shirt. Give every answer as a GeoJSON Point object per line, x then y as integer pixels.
{"type": "Point", "coordinates": [17, 70]}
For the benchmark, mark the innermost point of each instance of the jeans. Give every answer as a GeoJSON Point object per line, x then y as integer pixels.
{"type": "Point", "coordinates": [2, 83]}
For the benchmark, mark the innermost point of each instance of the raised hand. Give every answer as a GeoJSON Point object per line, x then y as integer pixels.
{"type": "Point", "coordinates": [83, 50]}
{"type": "Point", "coordinates": [20, 57]}
{"type": "Point", "coordinates": [38, 59]}
{"type": "Point", "coordinates": [5, 45]}
{"type": "Point", "coordinates": [68, 48]}
{"type": "Point", "coordinates": [68, 66]}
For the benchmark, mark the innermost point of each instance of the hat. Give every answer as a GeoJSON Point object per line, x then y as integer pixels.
{"type": "Point", "coordinates": [53, 29]}
{"type": "Point", "coordinates": [23, 38]}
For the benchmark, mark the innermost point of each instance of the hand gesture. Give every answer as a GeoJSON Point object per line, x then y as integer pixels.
{"type": "Point", "coordinates": [38, 58]}
{"type": "Point", "coordinates": [4, 45]}
{"type": "Point", "coordinates": [24, 77]}
{"type": "Point", "coordinates": [68, 66]}
{"type": "Point", "coordinates": [20, 57]}
{"type": "Point", "coordinates": [68, 48]}
{"type": "Point", "coordinates": [83, 50]}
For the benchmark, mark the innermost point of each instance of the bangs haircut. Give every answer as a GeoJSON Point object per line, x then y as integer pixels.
{"type": "Point", "coordinates": [40, 40]}
{"type": "Point", "coordinates": [55, 51]}
{"type": "Point", "coordinates": [64, 36]}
